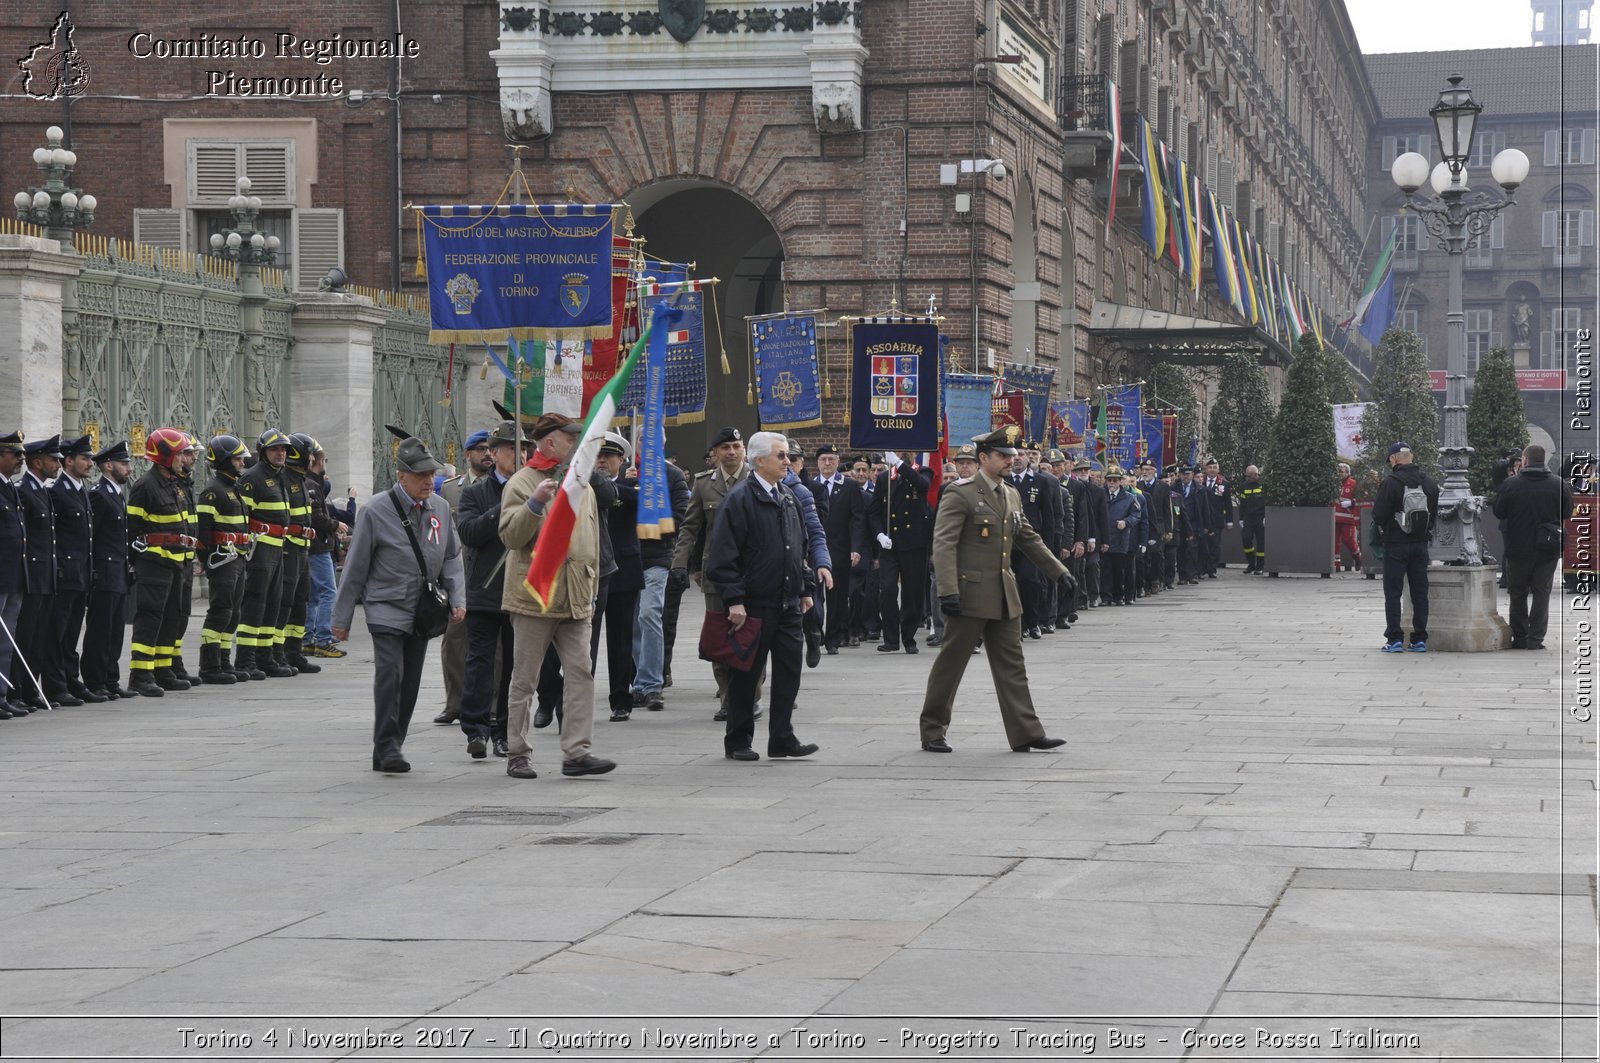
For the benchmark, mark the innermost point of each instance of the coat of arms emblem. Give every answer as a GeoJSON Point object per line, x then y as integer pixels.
{"type": "Point", "coordinates": [894, 385]}
{"type": "Point", "coordinates": [575, 293]}
{"type": "Point", "coordinates": [682, 18]}
{"type": "Point", "coordinates": [463, 291]}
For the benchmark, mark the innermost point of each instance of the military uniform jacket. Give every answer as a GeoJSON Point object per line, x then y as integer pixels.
{"type": "Point", "coordinates": [108, 505]}
{"type": "Point", "coordinates": [262, 489]}
{"type": "Point", "coordinates": [39, 550]}
{"type": "Point", "coordinates": [158, 504]}
{"type": "Point", "coordinates": [899, 507]}
{"type": "Point", "coordinates": [221, 514]}
{"type": "Point", "coordinates": [13, 541]}
{"type": "Point", "coordinates": [979, 525]}
{"type": "Point", "coordinates": [1158, 511]}
{"type": "Point", "coordinates": [706, 494]}
{"type": "Point", "coordinates": [1220, 501]}
{"type": "Point", "coordinates": [74, 535]}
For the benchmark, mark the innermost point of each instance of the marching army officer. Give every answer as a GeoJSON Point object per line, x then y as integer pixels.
{"type": "Point", "coordinates": [980, 523]}
{"type": "Point", "coordinates": [266, 504]}
{"type": "Point", "coordinates": [104, 620]}
{"type": "Point", "coordinates": [224, 544]}
{"type": "Point", "coordinates": [13, 570]}
{"type": "Point", "coordinates": [161, 534]}
{"type": "Point", "coordinates": [34, 648]}
{"type": "Point", "coordinates": [69, 497]}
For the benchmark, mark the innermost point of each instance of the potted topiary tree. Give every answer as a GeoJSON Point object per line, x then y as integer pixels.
{"type": "Point", "coordinates": [1240, 431]}
{"type": "Point", "coordinates": [1496, 422]}
{"type": "Point", "coordinates": [1302, 477]}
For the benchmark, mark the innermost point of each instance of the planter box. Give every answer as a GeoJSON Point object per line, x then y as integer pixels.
{"type": "Point", "coordinates": [1233, 545]}
{"type": "Point", "coordinates": [1300, 540]}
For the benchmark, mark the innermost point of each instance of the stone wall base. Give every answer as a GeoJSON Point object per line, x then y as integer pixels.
{"type": "Point", "coordinates": [1463, 610]}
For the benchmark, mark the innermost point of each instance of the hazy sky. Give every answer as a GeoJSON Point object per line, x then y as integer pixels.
{"type": "Point", "coordinates": [1442, 25]}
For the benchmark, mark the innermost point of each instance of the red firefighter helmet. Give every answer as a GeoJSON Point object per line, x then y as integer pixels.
{"type": "Point", "coordinates": [164, 445]}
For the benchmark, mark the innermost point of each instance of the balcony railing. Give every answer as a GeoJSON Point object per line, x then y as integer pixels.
{"type": "Point", "coordinates": [1083, 103]}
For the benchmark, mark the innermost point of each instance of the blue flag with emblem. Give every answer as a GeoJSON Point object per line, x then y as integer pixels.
{"type": "Point", "coordinates": [1124, 424]}
{"type": "Point", "coordinates": [968, 405]}
{"type": "Point", "coordinates": [527, 272]}
{"type": "Point", "coordinates": [684, 399]}
{"type": "Point", "coordinates": [788, 385]}
{"type": "Point", "coordinates": [894, 392]}
{"type": "Point", "coordinates": [1071, 427]}
{"type": "Point", "coordinates": [1035, 382]}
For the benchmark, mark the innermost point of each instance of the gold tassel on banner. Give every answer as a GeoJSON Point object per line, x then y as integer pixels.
{"type": "Point", "coordinates": [422, 259]}
{"type": "Point", "coordinates": [722, 341]}
{"type": "Point", "coordinates": [827, 379]}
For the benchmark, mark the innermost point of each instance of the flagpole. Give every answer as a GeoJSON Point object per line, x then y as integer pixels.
{"type": "Point", "coordinates": [517, 181]}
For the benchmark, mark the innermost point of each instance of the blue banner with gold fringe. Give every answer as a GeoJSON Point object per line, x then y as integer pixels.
{"type": "Point", "coordinates": [968, 404]}
{"type": "Point", "coordinates": [684, 391]}
{"type": "Point", "coordinates": [894, 392]}
{"type": "Point", "coordinates": [655, 518]}
{"type": "Point", "coordinates": [518, 271]}
{"type": "Point", "coordinates": [1035, 382]}
{"type": "Point", "coordinates": [788, 386]}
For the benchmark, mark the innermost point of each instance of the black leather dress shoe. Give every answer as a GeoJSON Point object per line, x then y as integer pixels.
{"type": "Point", "coordinates": [500, 749]}
{"type": "Point", "coordinates": [1039, 743]}
{"type": "Point", "coordinates": [447, 716]}
{"type": "Point", "coordinates": [120, 692]}
{"type": "Point", "coordinates": [542, 716]}
{"type": "Point", "coordinates": [911, 646]}
{"type": "Point", "coordinates": [394, 765]}
{"type": "Point", "coordinates": [721, 716]}
{"type": "Point", "coordinates": [104, 694]}
{"type": "Point", "coordinates": [1048, 629]}
{"type": "Point", "coordinates": [84, 694]}
{"type": "Point", "coordinates": [933, 640]}
{"type": "Point", "coordinates": [936, 745]}
{"type": "Point", "coordinates": [65, 699]}
{"type": "Point", "coordinates": [477, 748]}
{"type": "Point", "coordinates": [618, 715]}
{"type": "Point", "coordinates": [742, 754]}
{"type": "Point", "coordinates": [588, 764]}
{"type": "Point", "coordinates": [799, 749]}
{"type": "Point", "coordinates": [885, 647]}
{"type": "Point", "coordinates": [813, 651]}
{"type": "Point", "coordinates": [832, 651]}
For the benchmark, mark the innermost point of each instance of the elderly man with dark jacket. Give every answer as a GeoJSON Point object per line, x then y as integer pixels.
{"type": "Point", "coordinates": [487, 670]}
{"type": "Point", "coordinates": [1533, 504]}
{"type": "Point", "coordinates": [758, 564]}
{"type": "Point", "coordinates": [381, 572]}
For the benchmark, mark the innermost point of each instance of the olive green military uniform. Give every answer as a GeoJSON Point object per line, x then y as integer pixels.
{"type": "Point", "coordinates": [979, 524]}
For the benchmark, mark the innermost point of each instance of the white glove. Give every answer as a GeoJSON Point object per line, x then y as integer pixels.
{"type": "Point", "coordinates": [891, 459]}
{"type": "Point", "coordinates": [1344, 503]}
{"type": "Point", "coordinates": [885, 542]}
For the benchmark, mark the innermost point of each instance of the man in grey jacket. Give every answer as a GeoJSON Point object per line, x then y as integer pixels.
{"type": "Point", "coordinates": [381, 572]}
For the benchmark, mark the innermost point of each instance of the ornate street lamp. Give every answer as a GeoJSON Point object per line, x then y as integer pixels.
{"type": "Point", "coordinates": [1454, 218]}
{"type": "Point", "coordinates": [56, 207]}
{"type": "Point", "coordinates": [242, 243]}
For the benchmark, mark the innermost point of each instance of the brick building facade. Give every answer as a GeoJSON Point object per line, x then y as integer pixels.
{"type": "Point", "coordinates": [828, 154]}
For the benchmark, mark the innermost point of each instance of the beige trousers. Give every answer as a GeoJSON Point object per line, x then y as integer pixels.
{"type": "Point", "coordinates": [534, 635]}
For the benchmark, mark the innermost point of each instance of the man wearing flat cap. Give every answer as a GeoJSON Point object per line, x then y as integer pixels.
{"type": "Point", "coordinates": [706, 495]}
{"type": "Point", "coordinates": [13, 570]}
{"type": "Point", "coordinates": [381, 572]}
{"type": "Point", "coordinates": [34, 644]}
{"type": "Point", "coordinates": [564, 621]}
{"type": "Point", "coordinates": [69, 497]}
{"type": "Point", "coordinates": [105, 629]}
{"type": "Point", "coordinates": [980, 523]}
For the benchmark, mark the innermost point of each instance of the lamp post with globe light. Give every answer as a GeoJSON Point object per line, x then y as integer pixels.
{"type": "Point", "coordinates": [1454, 218]}
{"type": "Point", "coordinates": [242, 243]}
{"type": "Point", "coordinates": [56, 207]}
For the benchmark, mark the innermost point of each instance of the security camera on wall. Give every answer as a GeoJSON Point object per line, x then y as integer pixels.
{"type": "Point", "coordinates": [998, 171]}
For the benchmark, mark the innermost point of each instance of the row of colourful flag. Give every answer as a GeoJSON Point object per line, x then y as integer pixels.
{"type": "Point", "coordinates": [1180, 214]}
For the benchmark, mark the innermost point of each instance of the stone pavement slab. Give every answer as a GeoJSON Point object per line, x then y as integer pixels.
{"type": "Point", "coordinates": [1259, 821]}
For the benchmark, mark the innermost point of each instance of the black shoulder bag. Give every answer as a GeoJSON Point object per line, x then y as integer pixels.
{"type": "Point", "coordinates": [432, 615]}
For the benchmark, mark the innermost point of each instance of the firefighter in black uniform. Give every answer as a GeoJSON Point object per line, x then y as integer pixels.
{"type": "Point", "coordinates": [180, 624]}
{"type": "Point", "coordinates": [1253, 516]}
{"type": "Point", "coordinates": [267, 507]}
{"type": "Point", "coordinates": [105, 622]}
{"type": "Point", "coordinates": [224, 544]}
{"type": "Point", "coordinates": [303, 504]}
{"type": "Point", "coordinates": [161, 536]}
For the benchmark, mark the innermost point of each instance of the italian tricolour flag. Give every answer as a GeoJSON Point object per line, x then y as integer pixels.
{"type": "Point", "coordinates": [555, 534]}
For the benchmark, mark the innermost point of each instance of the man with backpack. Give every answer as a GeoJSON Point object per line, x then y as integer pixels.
{"type": "Point", "coordinates": [1405, 508]}
{"type": "Point", "coordinates": [1534, 506]}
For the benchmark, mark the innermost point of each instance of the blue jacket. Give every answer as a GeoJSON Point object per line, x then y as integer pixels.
{"type": "Point", "coordinates": [816, 537]}
{"type": "Point", "coordinates": [13, 537]}
{"type": "Point", "coordinates": [745, 563]}
{"type": "Point", "coordinates": [40, 546]}
{"type": "Point", "coordinates": [74, 535]}
{"type": "Point", "coordinates": [110, 508]}
{"type": "Point", "coordinates": [1123, 506]}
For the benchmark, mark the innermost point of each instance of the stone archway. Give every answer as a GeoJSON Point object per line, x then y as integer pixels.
{"type": "Point", "coordinates": [726, 236]}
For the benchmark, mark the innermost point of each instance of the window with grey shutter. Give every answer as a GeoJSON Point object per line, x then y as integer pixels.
{"type": "Point", "coordinates": [319, 245]}
{"type": "Point", "coordinates": [160, 228]}
{"type": "Point", "coordinates": [1210, 173]}
{"type": "Point", "coordinates": [1552, 147]}
{"type": "Point", "coordinates": [215, 166]}
{"type": "Point", "coordinates": [1227, 188]}
{"type": "Point", "coordinates": [1108, 50]}
{"type": "Point", "coordinates": [1164, 113]}
{"type": "Point", "coordinates": [1128, 73]}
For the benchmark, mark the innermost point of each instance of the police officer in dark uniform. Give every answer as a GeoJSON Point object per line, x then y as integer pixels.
{"type": "Point", "coordinates": [224, 543]}
{"type": "Point", "coordinates": [35, 649]}
{"type": "Point", "coordinates": [69, 496]}
{"type": "Point", "coordinates": [309, 516]}
{"type": "Point", "coordinates": [1040, 514]}
{"type": "Point", "coordinates": [267, 506]}
{"type": "Point", "coordinates": [13, 570]}
{"type": "Point", "coordinates": [161, 535]}
{"type": "Point", "coordinates": [1191, 495]}
{"type": "Point", "coordinates": [900, 522]}
{"type": "Point", "coordinates": [105, 619]}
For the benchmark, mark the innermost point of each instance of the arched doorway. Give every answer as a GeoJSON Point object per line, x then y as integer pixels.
{"type": "Point", "coordinates": [726, 236]}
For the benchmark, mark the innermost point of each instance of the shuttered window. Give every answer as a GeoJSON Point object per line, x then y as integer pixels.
{"type": "Point", "coordinates": [215, 167]}
{"type": "Point", "coordinates": [319, 244]}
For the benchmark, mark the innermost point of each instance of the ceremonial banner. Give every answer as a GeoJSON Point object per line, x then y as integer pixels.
{"type": "Point", "coordinates": [788, 387]}
{"type": "Point", "coordinates": [894, 393]}
{"type": "Point", "coordinates": [1152, 440]}
{"type": "Point", "coordinates": [1347, 430]}
{"type": "Point", "coordinates": [1035, 382]}
{"type": "Point", "coordinates": [655, 518]}
{"type": "Point", "coordinates": [600, 364]}
{"type": "Point", "coordinates": [552, 376]}
{"type": "Point", "coordinates": [1124, 425]}
{"type": "Point", "coordinates": [1169, 439]}
{"type": "Point", "coordinates": [1070, 422]}
{"type": "Point", "coordinates": [528, 272]}
{"type": "Point", "coordinates": [1008, 405]}
{"type": "Point", "coordinates": [968, 406]}
{"type": "Point", "coordinates": [685, 397]}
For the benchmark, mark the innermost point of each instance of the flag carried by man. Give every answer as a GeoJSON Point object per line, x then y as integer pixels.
{"type": "Point", "coordinates": [555, 534]}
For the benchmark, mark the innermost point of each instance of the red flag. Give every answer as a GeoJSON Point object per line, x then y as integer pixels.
{"type": "Point", "coordinates": [600, 359]}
